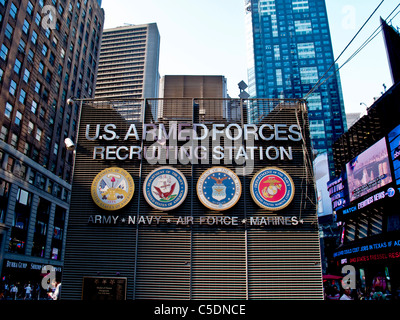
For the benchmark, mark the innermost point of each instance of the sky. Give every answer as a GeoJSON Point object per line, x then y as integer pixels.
{"type": "Point", "coordinates": [208, 37]}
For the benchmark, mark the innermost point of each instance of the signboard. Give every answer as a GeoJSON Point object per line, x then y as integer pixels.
{"type": "Point", "coordinates": [104, 288]}
{"type": "Point", "coordinates": [371, 250]}
{"type": "Point", "coordinates": [394, 143]}
{"type": "Point", "coordinates": [112, 189]}
{"type": "Point", "coordinates": [272, 189]}
{"type": "Point", "coordinates": [192, 226]}
{"type": "Point", "coordinates": [338, 192]}
{"type": "Point", "coordinates": [219, 188]}
{"type": "Point", "coordinates": [369, 171]}
{"type": "Point", "coordinates": [165, 188]}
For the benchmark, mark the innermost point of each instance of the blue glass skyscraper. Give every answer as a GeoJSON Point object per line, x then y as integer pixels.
{"type": "Point", "coordinates": [289, 49]}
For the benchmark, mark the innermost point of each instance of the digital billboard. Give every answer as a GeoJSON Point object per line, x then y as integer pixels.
{"type": "Point", "coordinates": [394, 143]}
{"type": "Point", "coordinates": [368, 171]}
{"type": "Point", "coordinates": [338, 192]}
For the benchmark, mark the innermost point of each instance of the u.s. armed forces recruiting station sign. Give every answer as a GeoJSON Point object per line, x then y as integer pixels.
{"type": "Point", "coordinates": [218, 188]}
{"type": "Point", "coordinates": [166, 141]}
{"type": "Point", "coordinates": [205, 205]}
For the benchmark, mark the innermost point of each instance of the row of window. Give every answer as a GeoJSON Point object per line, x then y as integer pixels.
{"type": "Point", "coordinates": [45, 51]}
{"type": "Point", "coordinates": [366, 224]}
{"type": "Point", "coordinates": [26, 173]}
{"type": "Point", "coordinates": [22, 219]}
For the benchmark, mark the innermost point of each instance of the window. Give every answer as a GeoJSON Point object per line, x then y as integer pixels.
{"type": "Point", "coordinates": [38, 134]}
{"type": "Point", "coordinates": [14, 140]}
{"type": "Point", "coordinates": [41, 228]}
{"type": "Point", "coordinates": [27, 149]}
{"type": "Point", "coordinates": [55, 151]}
{"type": "Point", "coordinates": [34, 107]}
{"type": "Point", "coordinates": [309, 75]}
{"type": "Point", "coordinates": [22, 96]}
{"type": "Point", "coordinates": [49, 75]}
{"type": "Point", "coordinates": [38, 18]}
{"type": "Point", "coordinates": [300, 5]}
{"type": "Point", "coordinates": [21, 47]}
{"type": "Point", "coordinates": [52, 58]}
{"type": "Point", "coordinates": [13, 11]}
{"type": "Point", "coordinates": [303, 27]}
{"type": "Point", "coordinates": [18, 118]}
{"type": "Point", "coordinates": [4, 192]}
{"type": "Point", "coordinates": [44, 49]}
{"type": "Point", "coordinates": [8, 32]}
{"type": "Point", "coordinates": [4, 134]}
{"type": "Point", "coordinates": [3, 52]}
{"type": "Point", "coordinates": [29, 8]}
{"type": "Point", "coordinates": [306, 50]}
{"type": "Point", "coordinates": [41, 67]}
{"type": "Point", "coordinates": [59, 225]}
{"type": "Point", "coordinates": [13, 87]}
{"type": "Point", "coordinates": [38, 85]}
{"type": "Point", "coordinates": [17, 66]}
{"type": "Point", "coordinates": [42, 114]}
{"type": "Point", "coordinates": [31, 126]}
{"type": "Point", "coordinates": [31, 55]}
{"type": "Point", "coordinates": [9, 109]}
{"type": "Point", "coordinates": [20, 223]}
{"type": "Point", "coordinates": [25, 27]}
{"type": "Point", "coordinates": [26, 75]}
{"type": "Point", "coordinates": [34, 37]}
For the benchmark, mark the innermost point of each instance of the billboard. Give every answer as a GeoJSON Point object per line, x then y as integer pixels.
{"type": "Point", "coordinates": [338, 192]}
{"type": "Point", "coordinates": [394, 144]}
{"type": "Point", "coordinates": [368, 171]}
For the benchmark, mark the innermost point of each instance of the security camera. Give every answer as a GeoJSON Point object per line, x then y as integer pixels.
{"type": "Point", "coordinates": [70, 101]}
{"type": "Point", "coordinates": [69, 144]}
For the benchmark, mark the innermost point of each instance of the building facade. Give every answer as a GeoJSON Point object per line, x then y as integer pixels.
{"type": "Point", "coordinates": [366, 159]}
{"type": "Point", "coordinates": [366, 190]}
{"type": "Point", "coordinates": [289, 50]}
{"type": "Point", "coordinates": [49, 53]}
{"type": "Point", "coordinates": [180, 209]}
{"type": "Point", "coordinates": [128, 66]}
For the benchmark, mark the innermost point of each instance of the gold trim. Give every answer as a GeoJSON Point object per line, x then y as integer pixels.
{"type": "Point", "coordinates": [120, 205]}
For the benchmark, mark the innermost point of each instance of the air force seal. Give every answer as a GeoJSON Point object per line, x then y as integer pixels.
{"type": "Point", "coordinates": [165, 188]}
{"type": "Point", "coordinates": [272, 189]}
{"type": "Point", "coordinates": [219, 188]}
{"type": "Point", "coordinates": [112, 189]}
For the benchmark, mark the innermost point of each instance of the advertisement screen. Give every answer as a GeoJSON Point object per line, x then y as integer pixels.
{"type": "Point", "coordinates": [368, 171]}
{"type": "Point", "coordinates": [394, 142]}
{"type": "Point", "coordinates": [338, 192]}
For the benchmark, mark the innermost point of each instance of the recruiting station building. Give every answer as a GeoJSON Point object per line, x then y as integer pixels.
{"type": "Point", "coordinates": [192, 207]}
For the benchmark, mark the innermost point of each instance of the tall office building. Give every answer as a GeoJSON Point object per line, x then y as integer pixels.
{"type": "Point", "coordinates": [48, 53]}
{"type": "Point", "coordinates": [128, 66]}
{"type": "Point", "coordinates": [289, 49]}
